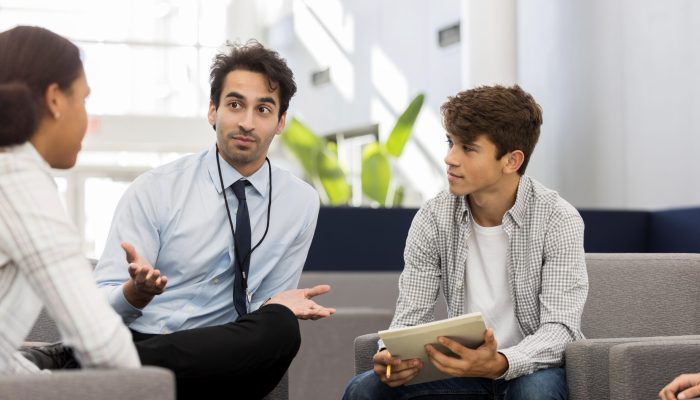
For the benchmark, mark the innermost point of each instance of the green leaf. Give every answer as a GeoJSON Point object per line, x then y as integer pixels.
{"type": "Point", "coordinates": [319, 161]}
{"type": "Point", "coordinates": [376, 172]}
{"type": "Point", "coordinates": [304, 145]}
{"type": "Point", "coordinates": [333, 178]}
{"type": "Point", "coordinates": [333, 148]}
{"type": "Point", "coordinates": [398, 196]}
{"type": "Point", "coordinates": [404, 126]}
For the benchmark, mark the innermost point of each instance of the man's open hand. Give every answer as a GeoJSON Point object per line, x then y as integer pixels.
{"type": "Point", "coordinates": [145, 282]}
{"type": "Point", "coordinates": [299, 301]}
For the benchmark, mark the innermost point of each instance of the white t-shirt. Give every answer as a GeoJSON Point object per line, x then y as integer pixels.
{"type": "Point", "coordinates": [486, 285]}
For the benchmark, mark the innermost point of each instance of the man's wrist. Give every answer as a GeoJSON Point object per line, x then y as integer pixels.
{"type": "Point", "coordinates": [134, 297]}
{"type": "Point", "coordinates": [501, 365]}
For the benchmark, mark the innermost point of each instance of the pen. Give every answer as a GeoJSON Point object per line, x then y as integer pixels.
{"type": "Point", "coordinates": [388, 368]}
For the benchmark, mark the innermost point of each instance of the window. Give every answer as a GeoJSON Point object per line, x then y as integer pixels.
{"type": "Point", "coordinates": [350, 145]}
{"type": "Point", "coordinates": [146, 56]}
{"type": "Point", "coordinates": [91, 191]}
{"type": "Point", "coordinates": [142, 57]}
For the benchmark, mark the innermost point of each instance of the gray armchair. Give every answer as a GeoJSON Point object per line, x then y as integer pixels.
{"type": "Point", "coordinates": [148, 383]}
{"type": "Point", "coordinates": [642, 324]}
{"type": "Point", "coordinates": [145, 383]}
{"type": "Point", "coordinates": [638, 370]}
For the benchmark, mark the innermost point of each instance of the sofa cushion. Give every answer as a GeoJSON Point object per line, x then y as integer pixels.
{"type": "Point", "coordinates": [642, 295]}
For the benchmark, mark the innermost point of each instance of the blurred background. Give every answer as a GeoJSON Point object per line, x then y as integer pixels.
{"type": "Point", "coordinates": [618, 82]}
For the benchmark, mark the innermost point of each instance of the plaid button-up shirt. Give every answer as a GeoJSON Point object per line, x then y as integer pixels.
{"type": "Point", "coordinates": [42, 265]}
{"type": "Point", "coordinates": [546, 271]}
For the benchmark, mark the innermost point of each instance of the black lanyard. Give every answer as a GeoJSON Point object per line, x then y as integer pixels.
{"type": "Point", "coordinates": [230, 221]}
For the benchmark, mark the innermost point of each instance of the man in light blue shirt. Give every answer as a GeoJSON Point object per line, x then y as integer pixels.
{"type": "Point", "coordinates": [171, 267]}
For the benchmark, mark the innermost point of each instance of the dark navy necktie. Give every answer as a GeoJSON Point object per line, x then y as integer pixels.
{"type": "Point", "coordinates": [242, 249]}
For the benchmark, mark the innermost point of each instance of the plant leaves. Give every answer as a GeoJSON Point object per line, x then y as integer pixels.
{"type": "Point", "coordinates": [376, 172]}
{"type": "Point", "coordinates": [319, 161]}
{"type": "Point", "coordinates": [304, 145]}
{"type": "Point", "coordinates": [332, 178]}
{"type": "Point", "coordinates": [399, 194]}
{"type": "Point", "coordinates": [404, 126]}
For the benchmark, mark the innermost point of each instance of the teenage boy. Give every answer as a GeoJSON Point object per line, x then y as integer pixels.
{"type": "Point", "coordinates": [497, 242]}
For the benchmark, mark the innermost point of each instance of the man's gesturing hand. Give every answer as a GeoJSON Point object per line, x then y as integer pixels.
{"type": "Point", "coordinates": [145, 282]}
{"type": "Point", "coordinates": [299, 301]}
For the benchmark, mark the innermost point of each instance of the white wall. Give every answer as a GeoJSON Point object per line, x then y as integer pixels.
{"type": "Point", "coordinates": [489, 53]}
{"type": "Point", "coordinates": [381, 54]}
{"type": "Point", "coordinates": [618, 82]}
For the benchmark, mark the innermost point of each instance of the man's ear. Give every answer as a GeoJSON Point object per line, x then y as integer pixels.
{"type": "Point", "coordinates": [514, 161]}
{"type": "Point", "coordinates": [211, 115]}
{"type": "Point", "coordinates": [281, 124]}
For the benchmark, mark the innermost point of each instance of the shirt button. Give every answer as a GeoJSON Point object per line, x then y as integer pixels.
{"type": "Point", "coordinates": [216, 281]}
{"type": "Point", "coordinates": [166, 331]}
{"type": "Point", "coordinates": [188, 308]}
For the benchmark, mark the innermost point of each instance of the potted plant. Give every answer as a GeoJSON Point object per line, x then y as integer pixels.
{"type": "Point", "coordinates": [319, 159]}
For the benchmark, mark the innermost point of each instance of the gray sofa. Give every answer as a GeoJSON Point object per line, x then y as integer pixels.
{"type": "Point", "coordinates": [365, 303]}
{"type": "Point", "coordinates": [147, 383]}
{"type": "Point", "coordinates": [144, 383]}
{"type": "Point", "coordinates": [641, 320]}
{"type": "Point", "coordinates": [109, 384]}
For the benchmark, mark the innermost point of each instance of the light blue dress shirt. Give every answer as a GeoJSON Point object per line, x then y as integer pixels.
{"type": "Point", "coordinates": [175, 217]}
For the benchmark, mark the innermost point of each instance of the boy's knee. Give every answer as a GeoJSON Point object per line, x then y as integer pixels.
{"type": "Point", "coordinates": [546, 384]}
{"type": "Point", "coordinates": [364, 386]}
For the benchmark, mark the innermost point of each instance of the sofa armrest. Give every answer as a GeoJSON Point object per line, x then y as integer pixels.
{"type": "Point", "coordinates": [588, 365]}
{"type": "Point", "coordinates": [365, 348]}
{"type": "Point", "coordinates": [108, 384]}
{"type": "Point", "coordinates": [639, 370]}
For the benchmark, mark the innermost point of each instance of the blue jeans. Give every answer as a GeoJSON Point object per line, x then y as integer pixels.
{"type": "Point", "coordinates": [540, 385]}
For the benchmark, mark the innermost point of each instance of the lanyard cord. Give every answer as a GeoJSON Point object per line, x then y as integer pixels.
{"type": "Point", "coordinates": [230, 221]}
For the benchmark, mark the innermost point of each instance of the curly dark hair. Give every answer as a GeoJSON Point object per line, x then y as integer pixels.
{"type": "Point", "coordinates": [253, 57]}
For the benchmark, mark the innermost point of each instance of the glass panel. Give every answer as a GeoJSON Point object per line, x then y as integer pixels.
{"type": "Point", "coordinates": [142, 80]}
{"type": "Point", "coordinates": [144, 57]}
{"type": "Point", "coordinates": [101, 197]}
{"type": "Point", "coordinates": [212, 19]}
{"type": "Point", "coordinates": [153, 21]}
{"type": "Point", "coordinates": [126, 159]}
{"type": "Point", "coordinates": [206, 56]}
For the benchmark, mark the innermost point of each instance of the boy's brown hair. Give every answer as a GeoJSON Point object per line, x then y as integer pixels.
{"type": "Point", "coordinates": [508, 116]}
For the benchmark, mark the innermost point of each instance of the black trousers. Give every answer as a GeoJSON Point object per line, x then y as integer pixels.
{"type": "Point", "coordinates": [245, 359]}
